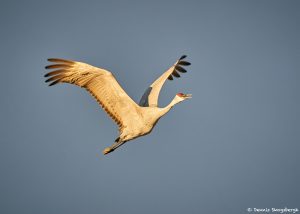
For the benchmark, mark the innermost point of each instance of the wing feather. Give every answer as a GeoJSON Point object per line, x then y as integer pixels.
{"type": "Point", "coordinates": [151, 99]}
{"type": "Point", "coordinates": [101, 84]}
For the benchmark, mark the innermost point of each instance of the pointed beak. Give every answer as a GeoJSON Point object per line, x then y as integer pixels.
{"type": "Point", "coordinates": [188, 96]}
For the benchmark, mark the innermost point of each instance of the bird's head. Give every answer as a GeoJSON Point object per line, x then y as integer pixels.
{"type": "Point", "coordinates": [181, 97]}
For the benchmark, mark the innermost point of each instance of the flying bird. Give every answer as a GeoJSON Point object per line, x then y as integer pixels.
{"type": "Point", "coordinates": [133, 120]}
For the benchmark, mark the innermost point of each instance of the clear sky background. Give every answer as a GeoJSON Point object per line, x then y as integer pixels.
{"type": "Point", "coordinates": [234, 145]}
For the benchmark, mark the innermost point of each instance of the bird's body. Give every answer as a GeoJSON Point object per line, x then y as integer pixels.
{"type": "Point", "coordinates": [133, 120]}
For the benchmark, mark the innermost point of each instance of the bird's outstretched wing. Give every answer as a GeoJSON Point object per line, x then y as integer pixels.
{"type": "Point", "coordinates": [150, 97]}
{"type": "Point", "coordinates": [101, 84]}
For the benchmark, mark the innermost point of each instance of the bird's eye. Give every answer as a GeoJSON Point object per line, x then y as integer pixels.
{"type": "Point", "coordinates": [180, 94]}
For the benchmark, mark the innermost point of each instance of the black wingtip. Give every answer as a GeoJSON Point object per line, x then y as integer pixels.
{"type": "Point", "coordinates": [184, 63]}
{"type": "Point", "coordinates": [182, 57]}
{"type": "Point", "coordinates": [170, 77]}
{"type": "Point", "coordinates": [175, 74]}
{"type": "Point", "coordinates": [47, 74]}
{"type": "Point", "coordinates": [55, 82]}
{"type": "Point", "coordinates": [180, 69]}
{"type": "Point", "coordinates": [48, 80]}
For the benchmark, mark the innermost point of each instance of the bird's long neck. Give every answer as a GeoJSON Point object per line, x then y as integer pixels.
{"type": "Point", "coordinates": [168, 107]}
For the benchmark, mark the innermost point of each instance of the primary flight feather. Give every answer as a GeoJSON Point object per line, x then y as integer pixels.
{"type": "Point", "coordinates": [134, 120]}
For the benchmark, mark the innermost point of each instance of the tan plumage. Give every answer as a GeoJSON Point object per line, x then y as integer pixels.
{"type": "Point", "coordinates": [133, 120]}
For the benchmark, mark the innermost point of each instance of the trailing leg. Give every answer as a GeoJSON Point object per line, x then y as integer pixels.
{"type": "Point", "coordinates": [118, 142]}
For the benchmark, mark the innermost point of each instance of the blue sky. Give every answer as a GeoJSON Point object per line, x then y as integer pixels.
{"type": "Point", "coordinates": [234, 145]}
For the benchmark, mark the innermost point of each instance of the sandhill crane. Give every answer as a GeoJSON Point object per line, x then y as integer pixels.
{"type": "Point", "coordinates": [132, 119]}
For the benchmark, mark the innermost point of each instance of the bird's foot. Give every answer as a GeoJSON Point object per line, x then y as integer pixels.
{"type": "Point", "coordinates": [107, 150]}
